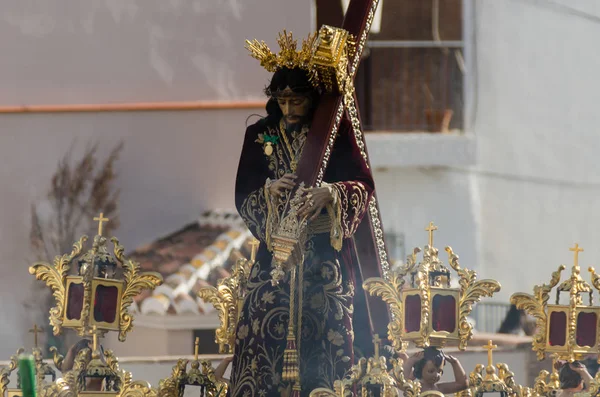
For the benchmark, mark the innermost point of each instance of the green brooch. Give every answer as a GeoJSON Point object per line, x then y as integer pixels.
{"type": "Point", "coordinates": [267, 141]}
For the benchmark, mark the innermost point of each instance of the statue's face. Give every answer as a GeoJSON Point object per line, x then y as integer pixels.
{"type": "Point", "coordinates": [295, 107]}
{"type": "Point", "coordinates": [432, 373]}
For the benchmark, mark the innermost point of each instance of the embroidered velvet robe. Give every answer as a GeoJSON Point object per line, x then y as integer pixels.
{"type": "Point", "coordinates": [330, 269]}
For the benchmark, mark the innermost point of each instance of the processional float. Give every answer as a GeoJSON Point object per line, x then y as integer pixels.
{"type": "Point", "coordinates": [427, 312]}
{"type": "Point", "coordinates": [566, 331]}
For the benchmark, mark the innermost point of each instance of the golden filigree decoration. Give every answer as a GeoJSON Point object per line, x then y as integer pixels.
{"type": "Point", "coordinates": [471, 292]}
{"type": "Point", "coordinates": [288, 57]}
{"type": "Point", "coordinates": [430, 279]}
{"type": "Point", "coordinates": [228, 298]}
{"type": "Point", "coordinates": [289, 239]}
{"type": "Point", "coordinates": [496, 379]}
{"type": "Point", "coordinates": [55, 277]}
{"type": "Point", "coordinates": [42, 369]}
{"type": "Point", "coordinates": [372, 377]}
{"type": "Point", "coordinates": [135, 282]}
{"type": "Point", "coordinates": [367, 375]}
{"type": "Point", "coordinates": [390, 292]}
{"type": "Point", "coordinates": [130, 388]}
{"type": "Point", "coordinates": [200, 374]}
{"type": "Point", "coordinates": [169, 387]}
{"type": "Point", "coordinates": [537, 306]}
{"type": "Point", "coordinates": [7, 371]}
{"type": "Point", "coordinates": [547, 383]}
{"type": "Point", "coordinates": [330, 58]}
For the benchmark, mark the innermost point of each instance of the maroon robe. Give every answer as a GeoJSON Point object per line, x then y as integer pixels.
{"type": "Point", "coordinates": [331, 276]}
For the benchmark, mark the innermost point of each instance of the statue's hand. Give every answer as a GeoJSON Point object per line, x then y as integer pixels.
{"type": "Point", "coordinates": [314, 200]}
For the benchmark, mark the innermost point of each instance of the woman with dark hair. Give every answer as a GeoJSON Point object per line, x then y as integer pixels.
{"type": "Point", "coordinates": [517, 322]}
{"type": "Point", "coordinates": [428, 367]}
{"type": "Point", "coordinates": [573, 378]}
{"type": "Point", "coordinates": [324, 334]}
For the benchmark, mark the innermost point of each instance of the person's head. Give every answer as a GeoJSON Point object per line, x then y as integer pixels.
{"type": "Point", "coordinates": [513, 320]}
{"type": "Point", "coordinates": [291, 96]}
{"type": "Point", "coordinates": [430, 368]}
{"type": "Point", "coordinates": [568, 378]}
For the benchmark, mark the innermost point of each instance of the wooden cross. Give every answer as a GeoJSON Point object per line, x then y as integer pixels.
{"type": "Point", "coordinates": [489, 347]}
{"type": "Point", "coordinates": [196, 345]}
{"type": "Point", "coordinates": [368, 238]}
{"type": "Point", "coordinates": [431, 229]}
{"type": "Point", "coordinates": [35, 330]}
{"type": "Point", "coordinates": [377, 342]}
{"type": "Point", "coordinates": [576, 249]}
{"type": "Point", "coordinates": [254, 244]}
{"type": "Point", "coordinates": [100, 219]}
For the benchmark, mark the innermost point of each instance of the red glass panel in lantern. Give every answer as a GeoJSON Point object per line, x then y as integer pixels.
{"type": "Point", "coordinates": [412, 315]}
{"type": "Point", "coordinates": [587, 329]}
{"type": "Point", "coordinates": [557, 334]}
{"type": "Point", "coordinates": [443, 314]}
{"type": "Point", "coordinates": [74, 301]}
{"type": "Point", "coordinates": [105, 304]}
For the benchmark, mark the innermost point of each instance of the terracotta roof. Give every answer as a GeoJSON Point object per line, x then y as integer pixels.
{"type": "Point", "coordinates": [195, 256]}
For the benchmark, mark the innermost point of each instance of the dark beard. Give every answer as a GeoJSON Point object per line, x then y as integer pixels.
{"type": "Point", "coordinates": [295, 127]}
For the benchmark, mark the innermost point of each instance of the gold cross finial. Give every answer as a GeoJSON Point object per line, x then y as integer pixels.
{"type": "Point", "coordinates": [254, 244]}
{"type": "Point", "coordinates": [489, 347]}
{"type": "Point", "coordinates": [431, 229]}
{"type": "Point", "coordinates": [94, 338]}
{"type": "Point", "coordinates": [196, 345]}
{"type": "Point", "coordinates": [376, 342]}
{"type": "Point", "coordinates": [100, 219]}
{"type": "Point", "coordinates": [576, 249]}
{"type": "Point", "coordinates": [35, 330]}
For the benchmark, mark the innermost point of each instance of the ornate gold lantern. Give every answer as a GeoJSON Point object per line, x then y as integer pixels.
{"type": "Point", "coordinates": [428, 311]}
{"type": "Point", "coordinates": [496, 379]}
{"type": "Point", "coordinates": [569, 331]}
{"type": "Point", "coordinates": [94, 297]}
{"type": "Point", "coordinates": [203, 378]}
{"type": "Point", "coordinates": [371, 377]}
{"type": "Point", "coordinates": [92, 303]}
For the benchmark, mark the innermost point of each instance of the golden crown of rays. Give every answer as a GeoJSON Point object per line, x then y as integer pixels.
{"type": "Point", "coordinates": [289, 56]}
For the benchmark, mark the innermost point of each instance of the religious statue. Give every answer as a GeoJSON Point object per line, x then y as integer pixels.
{"type": "Point", "coordinates": [573, 378]}
{"type": "Point", "coordinates": [296, 330]}
{"type": "Point", "coordinates": [428, 366]}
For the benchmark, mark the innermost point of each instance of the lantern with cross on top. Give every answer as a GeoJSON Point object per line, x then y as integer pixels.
{"type": "Point", "coordinates": [568, 330]}
{"type": "Point", "coordinates": [497, 379]}
{"type": "Point", "coordinates": [371, 377]}
{"type": "Point", "coordinates": [427, 311]}
{"type": "Point", "coordinates": [94, 298]}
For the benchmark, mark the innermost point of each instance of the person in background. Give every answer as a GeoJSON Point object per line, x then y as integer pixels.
{"type": "Point", "coordinates": [517, 322]}
{"type": "Point", "coordinates": [428, 367]}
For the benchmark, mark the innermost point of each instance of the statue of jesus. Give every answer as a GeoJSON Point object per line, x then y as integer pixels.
{"type": "Point", "coordinates": [325, 332]}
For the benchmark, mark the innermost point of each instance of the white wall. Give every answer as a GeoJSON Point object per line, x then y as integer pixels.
{"type": "Point", "coordinates": [537, 131]}
{"type": "Point", "coordinates": [175, 164]}
{"type": "Point", "coordinates": [410, 198]}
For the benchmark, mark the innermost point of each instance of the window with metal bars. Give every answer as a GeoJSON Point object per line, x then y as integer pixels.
{"type": "Point", "coordinates": [411, 75]}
